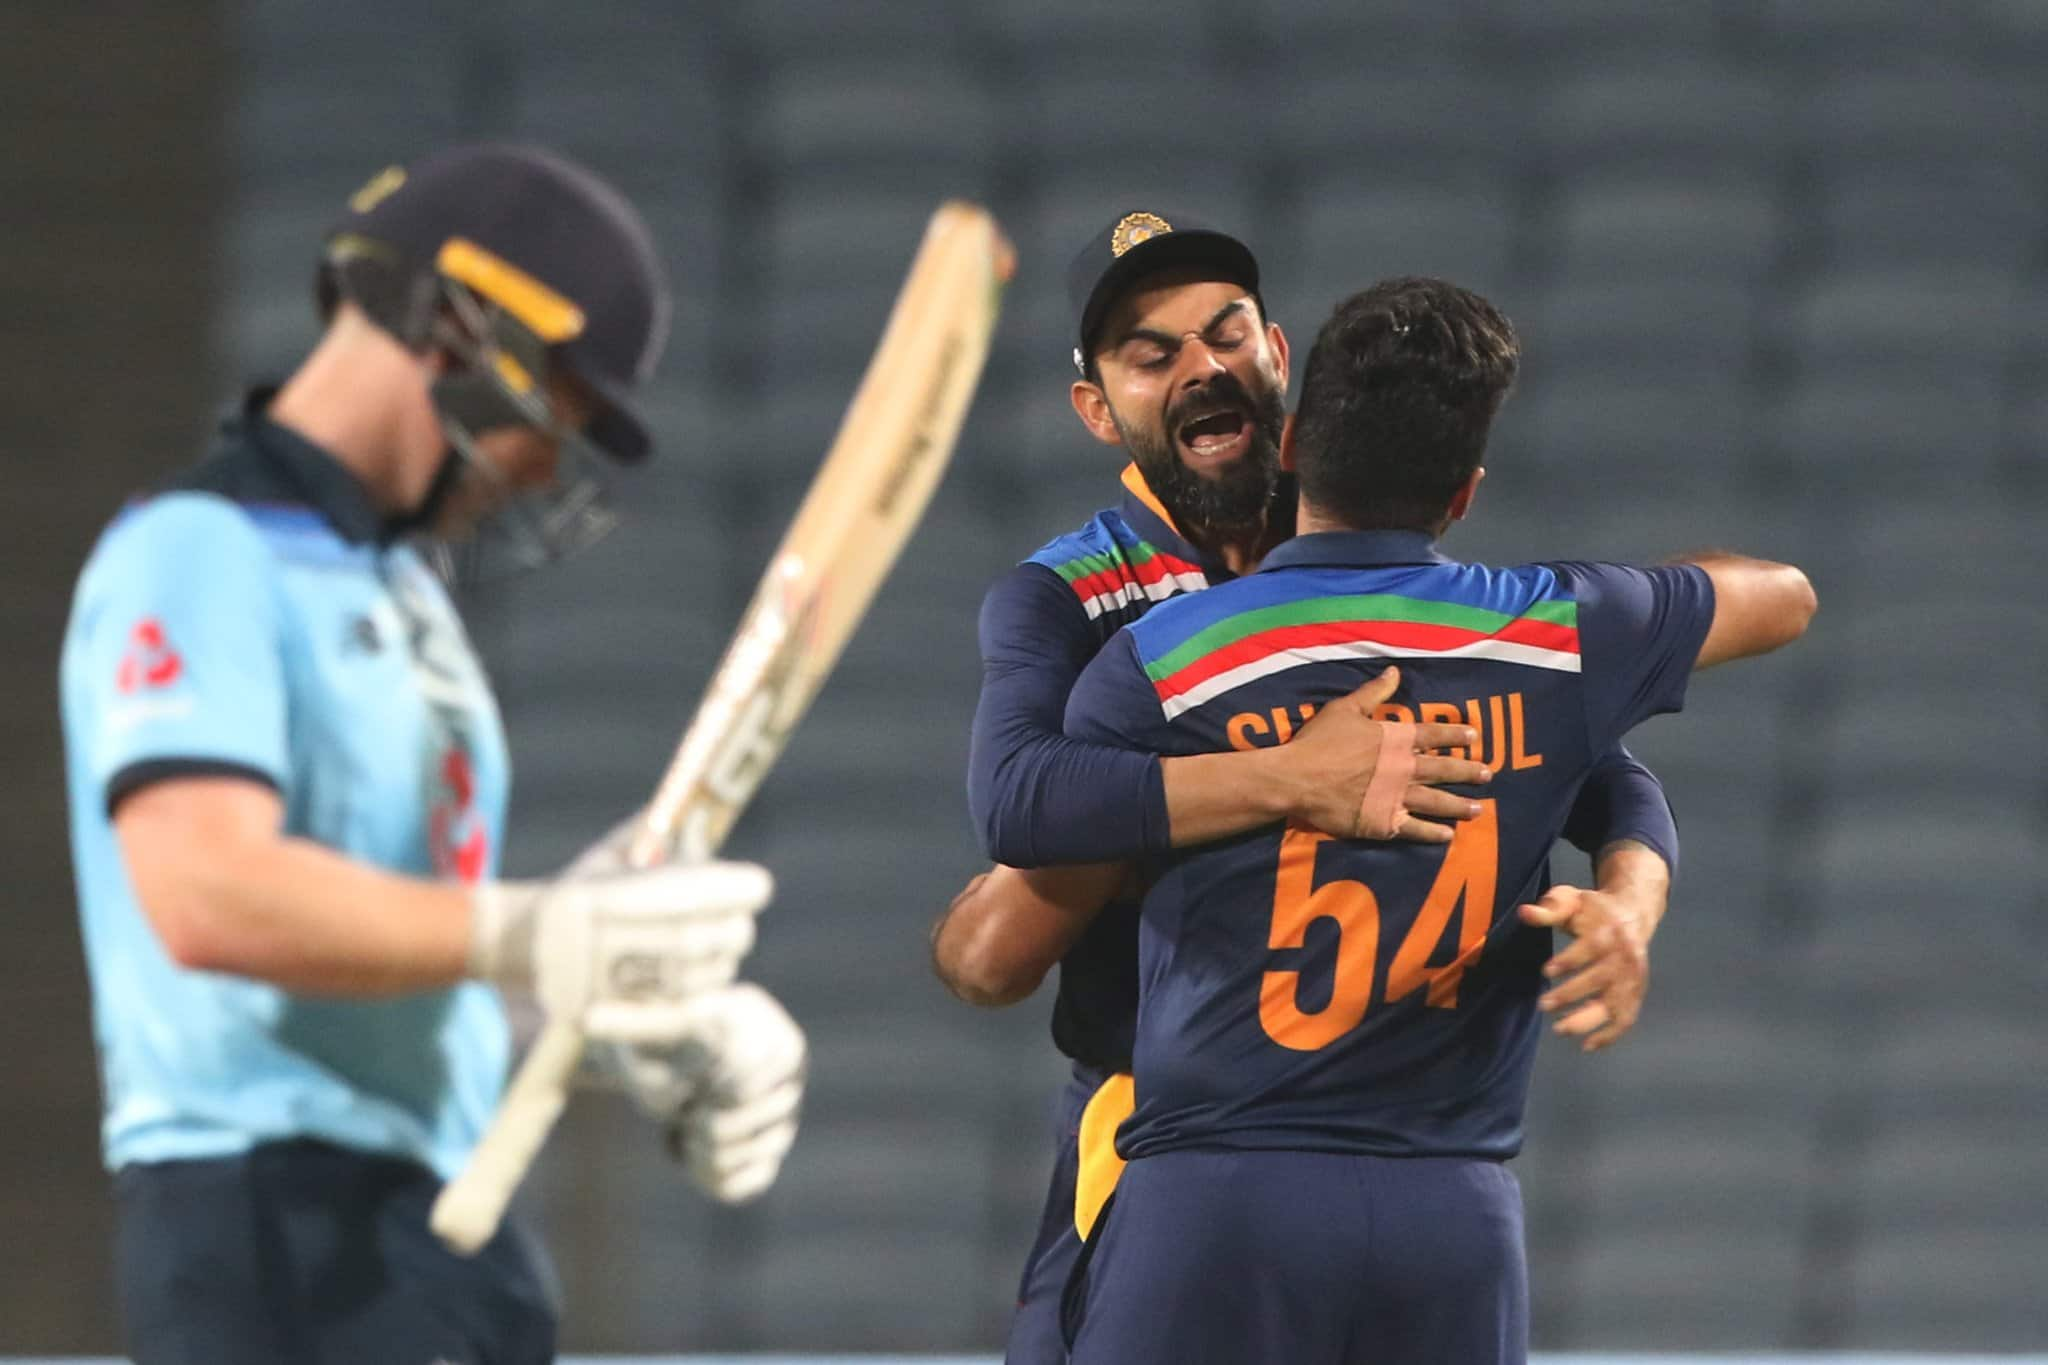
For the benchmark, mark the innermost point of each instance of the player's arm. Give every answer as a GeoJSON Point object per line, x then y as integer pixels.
{"type": "Point", "coordinates": [1036, 796]}
{"type": "Point", "coordinates": [1344, 773]}
{"type": "Point", "coordinates": [176, 690]}
{"type": "Point", "coordinates": [1759, 606]}
{"type": "Point", "coordinates": [1042, 797]}
{"type": "Point", "coordinates": [1623, 800]}
{"type": "Point", "coordinates": [1642, 632]}
{"type": "Point", "coordinates": [1623, 821]}
{"type": "Point", "coordinates": [1003, 933]}
{"type": "Point", "coordinates": [1597, 984]}
{"type": "Point", "coordinates": [227, 891]}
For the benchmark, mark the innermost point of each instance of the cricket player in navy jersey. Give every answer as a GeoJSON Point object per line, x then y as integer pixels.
{"type": "Point", "coordinates": [1334, 1036]}
{"type": "Point", "coordinates": [1208, 462]}
{"type": "Point", "coordinates": [288, 784]}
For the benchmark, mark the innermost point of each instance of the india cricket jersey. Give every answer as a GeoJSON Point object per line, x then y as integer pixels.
{"type": "Point", "coordinates": [1300, 992]}
{"type": "Point", "coordinates": [1041, 624]}
{"type": "Point", "coordinates": [257, 620]}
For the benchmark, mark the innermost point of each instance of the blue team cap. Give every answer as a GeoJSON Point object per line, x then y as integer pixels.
{"type": "Point", "coordinates": [542, 238]}
{"type": "Point", "coordinates": [1139, 243]}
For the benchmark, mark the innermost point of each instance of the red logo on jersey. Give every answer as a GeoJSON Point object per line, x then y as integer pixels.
{"type": "Point", "coordinates": [150, 661]}
{"type": "Point", "coordinates": [460, 840]}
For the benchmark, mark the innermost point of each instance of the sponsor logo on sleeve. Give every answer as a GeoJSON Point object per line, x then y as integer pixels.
{"type": "Point", "coordinates": [149, 664]}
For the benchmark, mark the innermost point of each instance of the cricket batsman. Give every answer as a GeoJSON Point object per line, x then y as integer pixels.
{"type": "Point", "coordinates": [288, 780]}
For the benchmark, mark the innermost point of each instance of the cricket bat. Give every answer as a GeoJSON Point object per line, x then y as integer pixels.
{"type": "Point", "coordinates": [877, 478]}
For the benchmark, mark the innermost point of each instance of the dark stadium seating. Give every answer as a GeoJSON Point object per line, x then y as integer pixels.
{"type": "Point", "coordinates": [1842, 35]}
{"type": "Point", "coordinates": [1612, 30]}
{"type": "Point", "coordinates": [893, 114]}
{"type": "Point", "coordinates": [1372, 118]}
{"type": "Point", "coordinates": [1717, 233]}
{"type": "Point", "coordinates": [1684, 114]}
{"type": "Point", "coordinates": [1913, 110]}
{"type": "Point", "coordinates": [1351, 233]}
{"type": "Point", "coordinates": [772, 34]}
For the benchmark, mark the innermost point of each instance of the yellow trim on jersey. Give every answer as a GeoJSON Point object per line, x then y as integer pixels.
{"type": "Point", "coordinates": [1134, 479]}
{"type": "Point", "coordinates": [546, 314]}
{"type": "Point", "coordinates": [1100, 1167]}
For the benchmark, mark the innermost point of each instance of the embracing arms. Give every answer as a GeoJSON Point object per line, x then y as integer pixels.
{"type": "Point", "coordinates": [1040, 798]}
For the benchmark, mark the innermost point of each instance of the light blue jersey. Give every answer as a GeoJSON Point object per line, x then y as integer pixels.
{"type": "Point", "coordinates": [257, 622]}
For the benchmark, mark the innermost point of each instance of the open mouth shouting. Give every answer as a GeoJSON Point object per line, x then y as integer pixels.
{"type": "Point", "coordinates": [1213, 431]}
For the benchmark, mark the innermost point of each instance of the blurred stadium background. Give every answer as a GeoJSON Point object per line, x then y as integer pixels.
{"type": "Point", "coordinates": [1779, 266]}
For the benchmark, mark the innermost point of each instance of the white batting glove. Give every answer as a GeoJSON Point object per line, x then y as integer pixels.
{"type": "Point", "coordinates": [608, 854]}
{"type": "Point", "coordinates": [620, 953]}
{"type": "Point", "coordinates": [728, 1094]}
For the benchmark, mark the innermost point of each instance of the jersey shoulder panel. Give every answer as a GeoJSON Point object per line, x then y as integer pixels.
{"type": "Point", "coordinates": [1111, 569]}
{"type": "Point", "coordinates": [298, 531]}
{"type": "Point", "coordinates": [181, 528]}
{"type": "Point", "coordinates": [1196, 648]}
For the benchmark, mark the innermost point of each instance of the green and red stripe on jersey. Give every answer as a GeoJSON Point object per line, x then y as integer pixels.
{"type": "Point", "coordinates": [1126, 571]}
{"type": "Point", "coordinates": [1512, 622]}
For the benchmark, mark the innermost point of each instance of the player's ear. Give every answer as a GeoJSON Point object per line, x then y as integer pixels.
{"type": "Point", "coordinates": [1091, 405]}
{"type": "Point", "coordinates": [1461, 501]}
{"type": "Point", "coordinates": [1287, 444]}
{"type": "Point", "coordinates": [1277, 340]}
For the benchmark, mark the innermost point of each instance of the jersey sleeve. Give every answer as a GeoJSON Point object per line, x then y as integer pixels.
{"type": "Point", "coordinates": [1640, 632]}
{"type": "Point", "coordinates": [1115, 703]}
{"type": "Point", "coordinates": [1622, 799]}
{"type": "Point", "coordinates": [174, 664]}
{"type": "Point", "coordinates": [1037, 796]}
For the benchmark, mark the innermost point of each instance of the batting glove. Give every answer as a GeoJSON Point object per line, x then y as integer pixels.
{"type": "Point", "coordinates": [622, 954]}
{"type": "Point", "coordinates": [728, 1094]}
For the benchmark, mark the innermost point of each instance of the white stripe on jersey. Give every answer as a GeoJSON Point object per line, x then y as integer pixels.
{"type": "Point", "coordinates": [1506, 651]}
{"type": "Point", "coordinates": [1172, 585]}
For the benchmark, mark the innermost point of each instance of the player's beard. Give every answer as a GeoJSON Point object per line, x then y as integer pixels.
{"type": "Point", "coordinates": [1232, 506]}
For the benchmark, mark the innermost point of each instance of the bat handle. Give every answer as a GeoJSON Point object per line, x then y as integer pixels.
{"type": "Point", "coordinates": [470, 1207]}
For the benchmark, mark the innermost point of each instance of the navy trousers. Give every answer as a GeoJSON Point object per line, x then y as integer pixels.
{"type": "Point", "coordinates": [1035, 1327]}
{"type": "Point", "coordinates": [1234, 1258]}
{"type": "Point", "coordinates": [310, 1253]}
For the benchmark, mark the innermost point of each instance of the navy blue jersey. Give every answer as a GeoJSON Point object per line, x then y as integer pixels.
{"type": "Point", "coordinates": [1300, 992]}
{"type": "Point", "coordinates": [1040, 625]}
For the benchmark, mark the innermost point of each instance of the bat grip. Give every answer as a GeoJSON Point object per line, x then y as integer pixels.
{"type": "Point", "coordinates": [470, 1207]}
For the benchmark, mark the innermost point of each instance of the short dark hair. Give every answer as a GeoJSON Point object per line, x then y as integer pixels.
{"type": "Point", "coordinates": [1397, 399]}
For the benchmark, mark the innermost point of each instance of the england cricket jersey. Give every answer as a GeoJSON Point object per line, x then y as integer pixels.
{"type": "Point", "coordinates": [1300, 992]}
{"type": "Point", "coordinates": [257, 620]}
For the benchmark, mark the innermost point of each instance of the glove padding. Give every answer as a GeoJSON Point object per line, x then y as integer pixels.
{"type": "Point", "coordinates": [608, 855]}
{"type": "Point", "coordinates": [621, 953]}
{"type": "Point", "coordinates": [728, 1094]}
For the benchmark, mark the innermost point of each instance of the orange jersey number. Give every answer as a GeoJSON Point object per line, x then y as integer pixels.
{"type": "Point", "coordinates": [1464, 886]}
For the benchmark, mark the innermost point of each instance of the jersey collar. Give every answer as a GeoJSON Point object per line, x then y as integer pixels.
{"type": "Point", "coordinates": [1354, 550]}
{"type": "Point", "coordinates": [320, 480]}
{"type": "Point", "coordinates": [1147, 515]}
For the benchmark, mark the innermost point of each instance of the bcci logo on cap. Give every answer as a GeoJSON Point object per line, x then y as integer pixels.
{"type": "Point", "coordinates": [1134, 228]}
